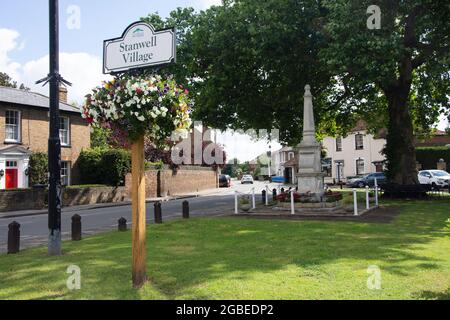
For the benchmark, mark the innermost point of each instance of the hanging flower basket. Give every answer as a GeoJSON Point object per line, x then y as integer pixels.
{"type": "Point", "coordinates": [135, 106]}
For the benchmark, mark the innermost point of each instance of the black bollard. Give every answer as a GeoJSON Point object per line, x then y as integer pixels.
{"type": "Point", "coordinates": [186, 209]}
{"type": "Point", "coordinates": [14, 238]}
{"type": "Point", "coordinates": [158, 213]}
{"type": "Point", "coordinates": [122, 224]}
{"type": "Point", "coordinates": [282, 190]}
{"type": "Point", "coordinates": [263, 196]}
{"type": "Point", "coordinates": [76, 228]}
{"type": "Point", "coordinates": [274, 194]}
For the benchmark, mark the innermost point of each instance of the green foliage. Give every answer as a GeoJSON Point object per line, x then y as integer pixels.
{"type": "Point", "coordinates": [395, 77]}
{"type": "Point", "coordinates": [115, 164]}
{"type": "Point", "coordinates": [89, 164]}
{"type": "Point", "coordinates": [6, 81]}
{"type": "Point", "coordinates": [104, 166]}
{"type": "Point", "coordinates": [428, 157]}
{"type": "Point", "coordinates": [38, 168]}
{"type": "Point", "coordinates": [100, 138]}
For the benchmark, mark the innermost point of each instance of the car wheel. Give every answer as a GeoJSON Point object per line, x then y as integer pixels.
{"type": "Point", "coordinates": [433, 186]}
{"type": "Point", "coordinates": [361, 185]}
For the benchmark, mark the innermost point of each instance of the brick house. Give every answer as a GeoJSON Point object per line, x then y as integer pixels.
{"type": "Point", "coordinates": [24, 129]}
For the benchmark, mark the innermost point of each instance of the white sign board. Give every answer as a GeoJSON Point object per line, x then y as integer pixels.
{"type": "Point", "coordinates": [140, 46]}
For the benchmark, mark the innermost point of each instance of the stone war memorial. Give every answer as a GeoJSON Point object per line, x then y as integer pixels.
{"type": "Point", "coordinates": [310, 196]}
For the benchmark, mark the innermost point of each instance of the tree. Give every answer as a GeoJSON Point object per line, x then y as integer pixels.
{"type": "Point", "coordinates": [100, 138]}
{"type": "Point", "coordinates": [6, 81]}
{"type": "Point", "coordinates": [396, 76]}
{"type": "Point", "coordinates": [254, 58]}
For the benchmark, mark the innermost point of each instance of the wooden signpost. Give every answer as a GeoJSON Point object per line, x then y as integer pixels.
{"type": "Point", "coordinates": [140, 47]}
{"type": "Point", "coordinates": [139, 212]}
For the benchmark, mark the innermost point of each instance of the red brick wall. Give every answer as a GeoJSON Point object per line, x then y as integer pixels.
{"type": "Point", "coordinates": [187, 180]}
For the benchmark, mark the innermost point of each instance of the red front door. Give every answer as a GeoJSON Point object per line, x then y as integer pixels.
{"type": "Point", "coordinates": [12, 179]}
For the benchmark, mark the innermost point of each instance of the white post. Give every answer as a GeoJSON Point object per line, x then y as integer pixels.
{"type": "Point", "coordinates": [236, 209]}
{"type": "Point", "coordinates": [367, 198]}
{"type": "Point", "coordinates": [355, 202]}
{"type": "Point", "coordinates": [292, 202]}
{"type": "Point", "coordinates": [267, 195]}
{"type": "Point", "coordinates": [253, 199]}
{"type": "Point", "coordinates": [376, 192]}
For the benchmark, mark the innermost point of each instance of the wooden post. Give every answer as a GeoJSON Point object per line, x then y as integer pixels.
{"type": "Point", "coordinates": [138, 208]}
{"type": "Point", "coordinates": [76, 227]}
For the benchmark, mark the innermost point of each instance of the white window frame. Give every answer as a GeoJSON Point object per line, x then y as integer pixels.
{"type": "Point", "coordinates": [19, 126]}
{"type": "Point", "coordinates": [339, 149]}
{"type": "Point", "coordinates": [356, 141]}
{"type": "Point", "coordinates": [65, 144]}
{"type": "Point", "coordinates": [68, 175]}
{"type": "Point", "coordinates": [364, 166]}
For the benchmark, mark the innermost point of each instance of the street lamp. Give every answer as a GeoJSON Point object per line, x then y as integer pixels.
{"type": "Point", "coordinates": [54, 142]}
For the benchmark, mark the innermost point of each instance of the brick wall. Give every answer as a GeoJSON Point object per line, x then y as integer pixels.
{"type": "Point", "coordinates": [187, 180]}
{"type": "Point", "coordinates": [37, 199]}
{"type": "Point", "coordinates": [35, 132]}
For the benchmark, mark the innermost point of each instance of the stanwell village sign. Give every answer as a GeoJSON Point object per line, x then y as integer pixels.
{"type": "Point", "coordinates": [141, 46]}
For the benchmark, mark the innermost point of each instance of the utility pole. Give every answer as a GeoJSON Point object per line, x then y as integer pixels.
{"type": "Point", "coordinates": [54, 142]}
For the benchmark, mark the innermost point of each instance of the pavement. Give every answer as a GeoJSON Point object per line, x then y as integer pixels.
{"type": "Point", "coordinates": [104, 217]}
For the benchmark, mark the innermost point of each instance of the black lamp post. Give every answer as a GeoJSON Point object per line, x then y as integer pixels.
{"type": "Point", "coordinates": [54, 143]}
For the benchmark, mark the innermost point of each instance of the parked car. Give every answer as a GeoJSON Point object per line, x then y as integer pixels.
{"type": "Point", "coordinates": [224, 181]}
{"type": "Point", "coordinates": [247, 178]}
{"type": "Point", "coordinates": [367, 180]}
{"type": "Point", "coordinates": [435, 178]}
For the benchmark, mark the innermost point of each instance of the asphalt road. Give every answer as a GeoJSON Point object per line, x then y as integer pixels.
{"type": "Point", "coordinates": [34, 228]}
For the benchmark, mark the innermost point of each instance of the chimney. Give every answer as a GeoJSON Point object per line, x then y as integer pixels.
{"type": "Point", "coordinates": [62, 94]}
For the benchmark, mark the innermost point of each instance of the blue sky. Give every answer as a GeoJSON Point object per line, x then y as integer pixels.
{"type": "Point", "coordinates": [100, 19]}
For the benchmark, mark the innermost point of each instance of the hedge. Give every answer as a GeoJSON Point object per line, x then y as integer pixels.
{"type": "Point", "coordinates": [428, 157]}
{"type": "Point", "coordinates": [104, 166]}
{"type": "Point", "coordinates": [38, 168]}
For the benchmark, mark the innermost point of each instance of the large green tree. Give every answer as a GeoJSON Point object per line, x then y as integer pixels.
{"type": "Point", "coordinates": [254, 59]}
{"type": "Point", "coordinates": [248, 61]}
{"type": "Point", "coordinates": [396, 76]}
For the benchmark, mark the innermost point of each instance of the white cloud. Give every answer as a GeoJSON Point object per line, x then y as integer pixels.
{"type": "Point", "coordinates": [82, 69]}
{"type": "Point", "coordinates": [205, 4]}
{"type": "Point", "coordinates": [8, 44]}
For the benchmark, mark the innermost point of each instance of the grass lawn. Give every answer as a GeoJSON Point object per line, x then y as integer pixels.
{"type": "Point", "coordinates": [230, 258]}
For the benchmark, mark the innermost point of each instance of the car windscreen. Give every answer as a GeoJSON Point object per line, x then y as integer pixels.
{"type": "Point", "coordinates": [440, 173]}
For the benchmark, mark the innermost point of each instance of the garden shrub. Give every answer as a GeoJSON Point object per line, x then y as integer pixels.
{"type": "Point", "coordinates": [38, 168]}
{"type": "Point", "coordinates": [104, 166]}
{"type": "Point", "coordinates": [428, 157]}
{"type": "Point", "coordinates": [115, 164]}
{"type": "Point", "coordinates": [89, 164]}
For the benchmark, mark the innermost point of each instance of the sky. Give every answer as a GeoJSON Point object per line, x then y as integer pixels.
{"type": "Point", "coordinates": [84, 24]}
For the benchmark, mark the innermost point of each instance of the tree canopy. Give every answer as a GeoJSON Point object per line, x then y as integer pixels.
{"type": "Point", "coordinates": [248, 61]}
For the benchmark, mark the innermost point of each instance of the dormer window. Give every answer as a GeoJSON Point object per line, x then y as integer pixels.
{"type": "Point", "coordinates": [12, 126]}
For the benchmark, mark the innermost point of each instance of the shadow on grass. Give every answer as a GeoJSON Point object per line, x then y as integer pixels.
{"type": "Point", "coordinates": [430, 295]}
{"type": "Point", "coordinates": [183, 256]}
